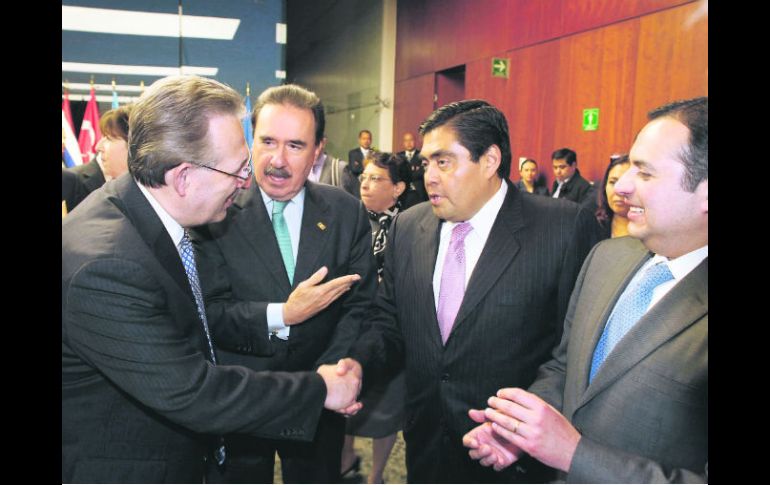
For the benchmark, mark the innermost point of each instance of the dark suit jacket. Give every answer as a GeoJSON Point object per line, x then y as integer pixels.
{"type": "Point", "coordinates": [72, 189]}
{"type": "Point", "coordinates": [140, 400]}
{"type": "Point", "coordinates": [579, 190]}
{"type": "Point", "coordinates": [356, 161]}
{"type": "Point", "coordinates": [644, 417]}
{"type": "Point", "coordinates": [90, 174]}
{"type": "Point", "coordinates": [418, 175]}
{"type": "Point", "coordinates": [509, 321]}
{"type": "Point", "coordinates": [244, 272]}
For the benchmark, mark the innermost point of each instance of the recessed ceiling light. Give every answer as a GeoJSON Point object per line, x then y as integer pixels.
{"type": "Point", "coordinates": [129, 22]}
{"type": "Point", "coordinates": [136, 70]}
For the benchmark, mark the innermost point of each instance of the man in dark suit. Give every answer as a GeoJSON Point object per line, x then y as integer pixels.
{"type": "Point", "coordinates": [515, 270]}
{"type": "Point", "coordinates": [412, 156]}
{"type": "Point", "coordinates": [569, 184]}
{"type": "Point", "coordinates": [625, 397]}
{"type": "Point", "coordinates": [357, 155]}
{"type": "Point", "coordinates": [300, 301]}
{"type": "Point", "coordinates": [142, 397]}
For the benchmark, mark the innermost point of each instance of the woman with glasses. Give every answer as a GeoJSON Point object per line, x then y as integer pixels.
{"type": "Point", "coordinates": [383, 183]}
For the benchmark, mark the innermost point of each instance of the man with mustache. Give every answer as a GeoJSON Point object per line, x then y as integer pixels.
{"type": "Point", "coordinates": [291, 267]}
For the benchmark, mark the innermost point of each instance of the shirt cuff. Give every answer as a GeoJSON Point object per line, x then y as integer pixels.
{"type": "Point", "coordinates": [275, 325]}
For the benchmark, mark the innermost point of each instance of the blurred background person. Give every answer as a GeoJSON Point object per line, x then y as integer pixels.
{"type": "Point", "coordinates": [612, 211]}
{"type": "Point", "coordinates": [384, 180]}
{"type": "Point", "coordinates": [412, 156]}
{"type": "Point", "coordinates": [357, 155]}
{"type": "Point", "coordinates": [113, 146]}
{"type": "Point", "coordinates": [528, 182]}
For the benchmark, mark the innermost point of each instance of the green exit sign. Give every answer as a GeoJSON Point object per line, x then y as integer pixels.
{"type": "Point", "coordinates": [590, 119]}
{"type": "Point", "coordinates": [500, 67]}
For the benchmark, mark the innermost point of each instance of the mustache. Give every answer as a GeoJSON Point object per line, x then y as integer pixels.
{"type": "Point", "coordinates": [277, 172]}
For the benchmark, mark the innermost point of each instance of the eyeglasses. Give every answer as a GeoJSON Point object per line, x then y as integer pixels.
{"type": "Point", "coordinates": [374, 179]}
{"type": "Point", "coordinates": [248, 170]}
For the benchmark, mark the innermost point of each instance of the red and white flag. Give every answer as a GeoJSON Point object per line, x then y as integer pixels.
{"type": "Point", "coordinates": [90, 134]}
{"type": "Point", "coordinates": [65, 107]}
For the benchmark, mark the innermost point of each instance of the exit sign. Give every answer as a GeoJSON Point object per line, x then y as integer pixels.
{"type": "Point", "coordinates": [591, 119]}
{"type": "Point", "coordinates": [500, 67]}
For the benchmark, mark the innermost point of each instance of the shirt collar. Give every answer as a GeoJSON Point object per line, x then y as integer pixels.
{"type": "Point", "coordinates": [174, 229]}
{"type": "Point", "coordinates": [299, 199]}
{"type": "Point", "coordinates": [682, 265]}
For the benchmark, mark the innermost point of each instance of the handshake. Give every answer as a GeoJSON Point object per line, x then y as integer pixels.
{"type": "Point", "coordinates": [343, 383]}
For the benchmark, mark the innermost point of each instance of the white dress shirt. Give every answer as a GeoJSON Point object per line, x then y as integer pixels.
{"type": "Point", "coordinates": [292, 214]}
{"type": "Point", "coordinates": [474, 242]}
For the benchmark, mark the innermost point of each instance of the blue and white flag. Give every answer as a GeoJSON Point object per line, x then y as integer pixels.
{"type": "Point", "coordinates": [248, 130]}
{"type": "Point", "coordinates": [71, 150]}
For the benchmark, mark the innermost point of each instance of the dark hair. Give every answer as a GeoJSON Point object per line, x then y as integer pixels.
{"type": "Point", "coordinates": [396, 165]}
{"type": "Point", "coordinates": [694, 114]}
{"type": "Point", "coordinates": [169, 124]}
{"type": "Point", "coordinates": [364, 131]}
{"type": "Point", "coordinates": [114, 123]}
{"type": "Point", "coordinates": [293, 95]}
{"type": "Point", "coordinates": [527, 160]}
{"type": "Point", "coordinates": [565, 154]}
{"type": "Point", "coordinates": [478, 125]}
{"type": "Point", "coordinates": [604, 212]}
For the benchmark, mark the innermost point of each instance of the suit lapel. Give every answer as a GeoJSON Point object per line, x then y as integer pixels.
{"type": "Point", "coordinates": [425, 251]}
{"type": "Point", "coordinates": [681, 307]}
{"type": "Point", "coordinates": [317, 223]}
{"type": "Point", "coordinates": [256, 228]}
{"type": "Point", "coordinates": [150, 227]}
{"type": "Point", "coordinates": [499, 251]}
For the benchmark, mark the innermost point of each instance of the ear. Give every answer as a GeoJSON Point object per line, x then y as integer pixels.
{"type": "Point", "coordinates": [178, 178]}
{"type": "Point", "coordinates": [319, 149]}
{"type": "Point", "coordinates": [399, 189]}
{"type": "Point", "coordinates": [491, 161]}
{"type": "Point", "coordinates": [703, 192]}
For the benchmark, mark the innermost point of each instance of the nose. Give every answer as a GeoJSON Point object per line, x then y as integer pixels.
{"type": "Point", "coordinates": [431, 173]}
{"type": "Point", "coordinates": [624, 186]}
{"type": "Point", "coordinates": [100, 144]}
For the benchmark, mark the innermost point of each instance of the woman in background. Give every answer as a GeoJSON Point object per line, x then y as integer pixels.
{"type": "Point", "coordinates": [612, 211]}
{"type": "Point", "coordinates": [113, 145]}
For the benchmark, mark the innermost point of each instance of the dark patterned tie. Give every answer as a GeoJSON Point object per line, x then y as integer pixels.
{"type": "Point", "coordinates": [188, 260]}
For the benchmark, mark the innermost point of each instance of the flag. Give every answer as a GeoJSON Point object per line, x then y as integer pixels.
{"type": "Point", "coordinates": [248, 130]}
{"type": "Point", "coordinates": [65, 107]}
{"type": "Point", "coordinates": [70, 149]}
{"type": "Point", "coordinates": [114, 98]}
{"type": "Point", "coordinates": [90, 134]}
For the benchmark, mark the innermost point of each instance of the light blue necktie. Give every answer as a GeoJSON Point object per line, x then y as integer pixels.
{"type": "Point", "coordinates": [633, 304]}
{"type": "Point", "coordinates": [283, 237]}
{"type": "Point", "coordinates": [188, 260]}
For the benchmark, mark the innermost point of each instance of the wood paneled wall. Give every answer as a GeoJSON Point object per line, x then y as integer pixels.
{"type": "Point", "coordinates": [622, 57]}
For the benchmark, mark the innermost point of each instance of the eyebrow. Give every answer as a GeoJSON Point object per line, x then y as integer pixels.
{"type": "Point", "coordinates": [439, 154]}
{"type": "Point", "coordinates": [644, 165]}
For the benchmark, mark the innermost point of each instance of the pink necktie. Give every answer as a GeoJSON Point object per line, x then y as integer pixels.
{"type": "Point", "coordinates": [452, 280]}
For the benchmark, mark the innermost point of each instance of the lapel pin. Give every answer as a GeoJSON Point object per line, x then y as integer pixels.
{"type": "Point", "coordinates": [321, 226]}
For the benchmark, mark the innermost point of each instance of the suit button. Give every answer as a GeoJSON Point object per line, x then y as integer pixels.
{"type": "Point", "coordinates": [444, 377]}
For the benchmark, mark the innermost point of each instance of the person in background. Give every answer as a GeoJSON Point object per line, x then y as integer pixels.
{"type": "Point", "coordinates": [412, 156]}
{"type": "Point", "coordinates": [528, 182]}
{"type": "Point", "coordinates": [625, 398]}
{"type": "Point", "coordinates": [612, 210]}
{"type": "Point", "coordinates": [383, 182]}
{"type": "Point", "coordinates": [568, 183]}
{"type": "Point", "coordinates": [113, 145]}
{"type": "Point", "coordinates": [144, 397]}
{"type": "Point", "coordinates": [357, 155]}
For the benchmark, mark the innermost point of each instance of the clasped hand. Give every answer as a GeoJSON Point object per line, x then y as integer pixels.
{"type": "Point", "coordinates": [343, 383]}
{"type": "Point", "coordinates": [518, 422]}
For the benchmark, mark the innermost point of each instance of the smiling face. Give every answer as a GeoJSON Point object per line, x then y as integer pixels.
{"type": "Point", "coordinates": [668, 219]}
{"type": "Point", "coordinates": [457, 186]}
{"type": "Point", "coordinates": [284, 149]}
